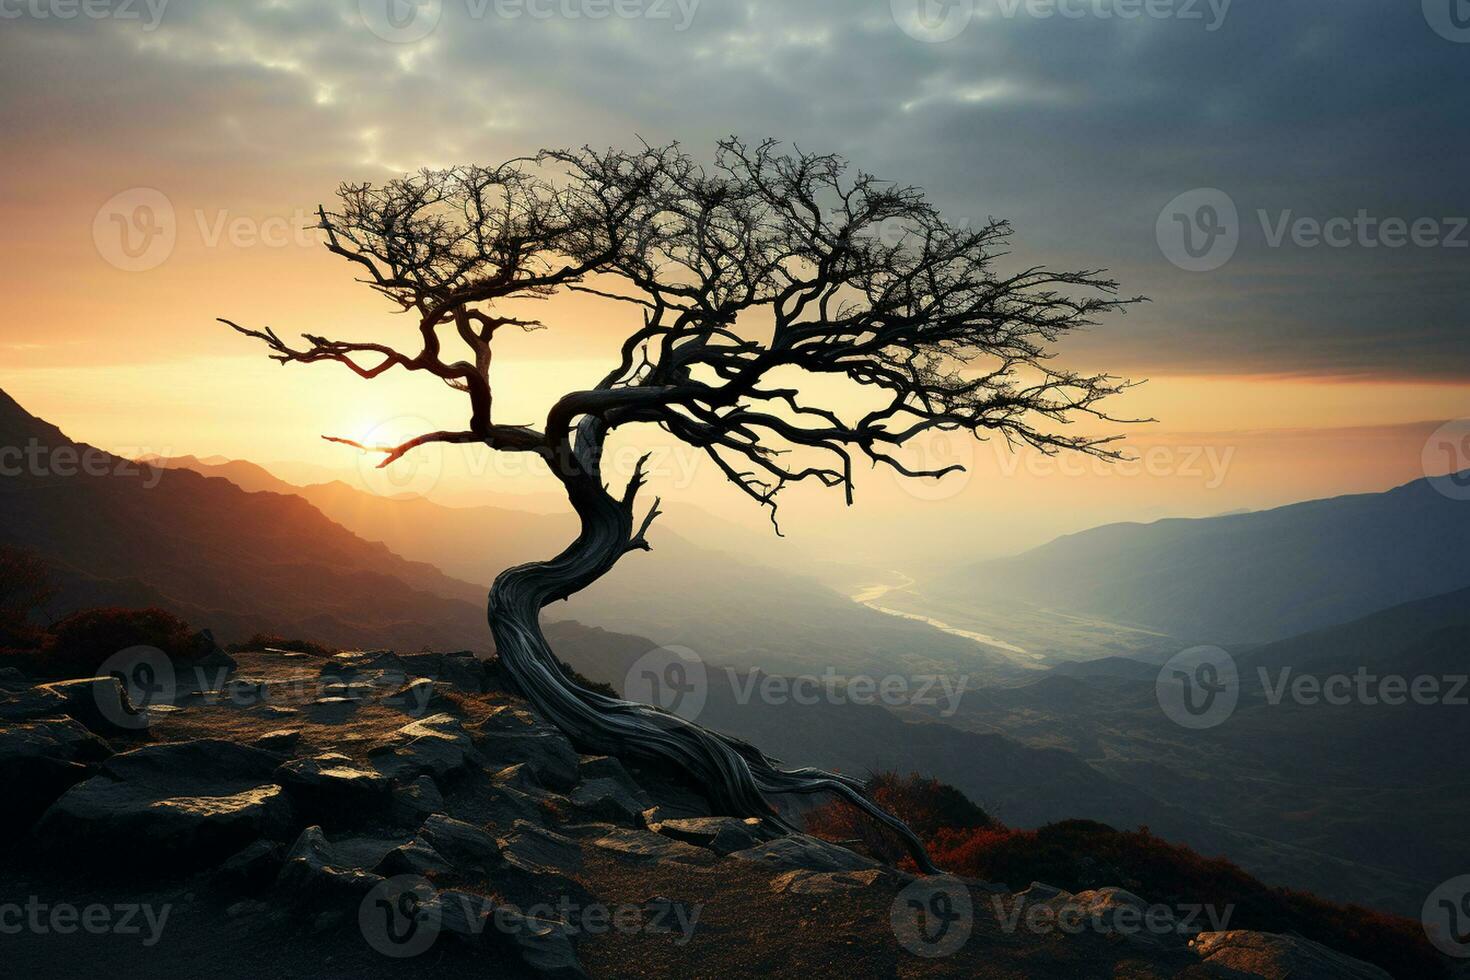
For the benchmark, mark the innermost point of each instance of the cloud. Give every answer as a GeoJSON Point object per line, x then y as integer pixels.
{"type": "Point", "coordinates": [1079, 125]}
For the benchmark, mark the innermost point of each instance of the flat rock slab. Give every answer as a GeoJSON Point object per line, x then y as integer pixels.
{"type": "Point", "coordinates": [317, 869]}
{"type": "Point", "coordinates": [547, 753]}
{"type": "Point", "coordinates": [802, 852]}
{"type": "Point", "coordinates": [538, 850]}
{"type": "Point", "coordinates": [436, 746]}
{"type": "Point", "coordinates": [330, 781]}
{"type": "Point", "coordinates": [723, 835]}
{"type": "Point", "coordinates": [824, 882]}
{"type": "Point", "coordinates": [40, 760]}
{"type": "Point", "coordinates": [1262, 954]}
{"type": "Point", "coordinates": [180, 804]}
{"type": "Point", "coordinates": [645, 846]}
{"type": "Point", "coordinates": [100, 703]}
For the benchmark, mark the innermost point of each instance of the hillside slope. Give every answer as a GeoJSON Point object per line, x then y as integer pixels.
{"type": "Point", "coordinates": [1250, 577]}
{"type": "Point", "coordinates": [120, 533]}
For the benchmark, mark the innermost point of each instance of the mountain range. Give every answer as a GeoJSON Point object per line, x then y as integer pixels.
{"type": "Point", "coordinates": [1243, 578]}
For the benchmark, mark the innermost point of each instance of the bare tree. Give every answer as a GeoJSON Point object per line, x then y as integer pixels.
{"type": "Point", "coordinates": [766, 267]}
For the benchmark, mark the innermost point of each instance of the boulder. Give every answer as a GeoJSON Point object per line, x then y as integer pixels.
{"type": "Point", "coordinates": [723, 835]}
{"type": "Point", "coordinates": [546, 752]}
{"type": "Point", "coordinates": [466, 847]}
{"type": "Point", "coordinates": [611, 801]}
{"type": "Point", "coordinates": [253, 867]}
{"type": "Point", "coordinates": [279, 740]}
{"type": "Point", "coordinates": [331, 788]}
{"type": "Point", "coordinates": [538, 850]}
{"type": "Point", "coordinates": [177, 805]}
{"type": "Point", "coordinates": [544, 946]}
{"type": "Point", "coordinates": [40, 760]}
{"type": "Point", "coordinates": [416, 857]}
{"type": "Point", "coordinates": [462, 670]}
{"type": "Point", "coordinates": [803, 852]}
{"type": "Point", "coordinates": [1261, 954]}
{"type": "Point", "coordinates": [414, 802]}
{"type": "Point", "coordinates": [207, 654]}
{"type": "Point", "coordinates": [436, 746]}
{"type": "Point", "coordinates": [420, 696]}
{"type": "Point", "coordinates": [644, 846]}
{"type": "Point", "coordinates": [824, 882]}
{"type": "Point", "coordinates": [315, 870]}
{"type": "Point", "coordinates": [100, 703]}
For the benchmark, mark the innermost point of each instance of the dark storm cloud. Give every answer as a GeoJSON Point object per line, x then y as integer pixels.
{"type": "Point", "coordinates": [1074, 120]}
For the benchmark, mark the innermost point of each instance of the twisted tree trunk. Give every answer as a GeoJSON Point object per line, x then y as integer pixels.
{"type": "Point", "coordinates": [736, 776]}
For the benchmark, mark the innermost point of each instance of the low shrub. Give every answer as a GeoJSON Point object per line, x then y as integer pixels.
{"type": "Point", "coordinates": [78, 645]}
{"type": "Point", "coordinates": [1082, 854]}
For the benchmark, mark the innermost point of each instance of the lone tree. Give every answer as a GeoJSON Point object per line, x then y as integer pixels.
{"type": "Point", "coordinates": [750, 275]}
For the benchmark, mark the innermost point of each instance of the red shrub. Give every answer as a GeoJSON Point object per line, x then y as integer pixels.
{"type": "Point", "coordinates": [1081, 854]}
{"type": "Point", "coordinates": [80, 643]}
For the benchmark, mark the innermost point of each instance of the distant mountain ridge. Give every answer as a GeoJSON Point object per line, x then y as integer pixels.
{"type": "Point", "coordinates": [116, 532]}
{"type": "Point", "coordinates": [731, 609]}
{"type": "Point", "coordinates": [1253, 577]}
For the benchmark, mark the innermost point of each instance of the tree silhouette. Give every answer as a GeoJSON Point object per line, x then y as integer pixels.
{"type": "Point", "coordinates": [748, 276]}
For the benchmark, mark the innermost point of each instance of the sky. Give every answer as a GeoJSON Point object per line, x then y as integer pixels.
{"type": "Point", "coordinates": [1284, 180]}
